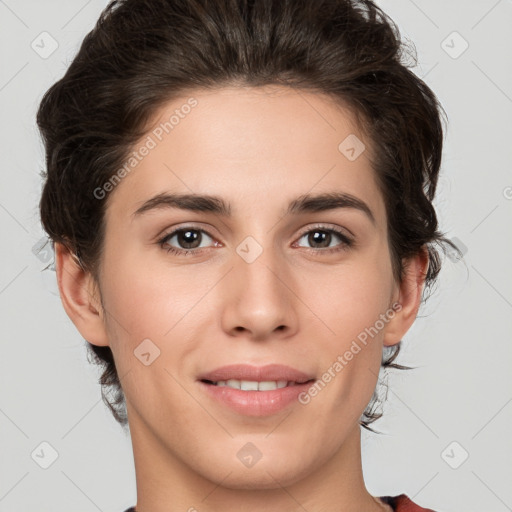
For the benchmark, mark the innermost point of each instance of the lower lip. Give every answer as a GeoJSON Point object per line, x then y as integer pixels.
{"type": "Point", "coordinates": [256, 403]}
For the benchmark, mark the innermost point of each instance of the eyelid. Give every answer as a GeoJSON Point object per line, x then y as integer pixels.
{"type": "Point", "coordinates": [172, 231]}
{"type": "Point", "coordinates": [327, 227]}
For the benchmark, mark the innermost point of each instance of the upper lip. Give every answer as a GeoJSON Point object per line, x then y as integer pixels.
{"type": "Point", "coordinates": [271, 372]}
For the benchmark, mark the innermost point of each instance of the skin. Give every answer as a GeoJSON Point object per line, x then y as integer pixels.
{"type": "Point", "coordinates": [252, 147]}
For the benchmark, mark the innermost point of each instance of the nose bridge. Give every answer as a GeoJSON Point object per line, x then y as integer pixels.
{"type": "Point", "coordinates": [259, 298]}
{"type": "Point", "coordinates": [258, 267]}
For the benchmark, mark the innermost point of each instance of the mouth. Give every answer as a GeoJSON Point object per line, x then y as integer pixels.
{"type": "Point", "coordinates": [255, 398]}
{"type": "Point", "coordinates": [255, 390]}
{"type": "Point", "coordinates": [253, 385]}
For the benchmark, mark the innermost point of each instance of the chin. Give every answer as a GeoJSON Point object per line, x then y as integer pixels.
{"type": "Point", "coordinates": [263, 475]}
{"type": "Point", "coordinates": [259, 480]}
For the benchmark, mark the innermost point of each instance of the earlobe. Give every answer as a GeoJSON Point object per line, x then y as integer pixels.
{"type": "Point", "coordinates": [410, 292]}
{"type": "Point", "coordinates": [80, 296]}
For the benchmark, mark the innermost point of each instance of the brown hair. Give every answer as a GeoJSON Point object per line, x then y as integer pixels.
{"type": "Point", "coordinates": [143, 53]}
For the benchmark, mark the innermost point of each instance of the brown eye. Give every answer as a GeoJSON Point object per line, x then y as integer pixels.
{"type": "Point", "coordinates": [188, 240]}
{"type": "Point", "coordinates": [320, 238]}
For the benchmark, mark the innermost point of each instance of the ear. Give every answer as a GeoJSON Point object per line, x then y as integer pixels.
{"type": "Point", "coordinates": [80, 296]}
{"type": "Point", "coordinates": [408, 295]}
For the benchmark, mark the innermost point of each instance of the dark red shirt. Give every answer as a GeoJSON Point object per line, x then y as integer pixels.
{"type": "Point", "coordinates": [403, 503]}
{"type": "Point", "coordinates": [400, 503]}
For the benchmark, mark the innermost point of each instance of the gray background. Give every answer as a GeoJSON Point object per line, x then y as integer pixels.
{"type": "Point", "coordinates": [456, 404]}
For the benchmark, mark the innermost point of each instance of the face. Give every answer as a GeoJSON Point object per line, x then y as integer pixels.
{"type": "Point", "coordinates": [260, 286]}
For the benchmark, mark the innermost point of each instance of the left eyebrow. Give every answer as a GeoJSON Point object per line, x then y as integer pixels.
{"type": "Point", "coordinates": [306, 203]}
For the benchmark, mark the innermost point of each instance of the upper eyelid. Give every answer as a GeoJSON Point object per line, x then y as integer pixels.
{"type": "Point", "coordinates": [327, 227]}
{"type": "Point", "coordinates": [174, 231]}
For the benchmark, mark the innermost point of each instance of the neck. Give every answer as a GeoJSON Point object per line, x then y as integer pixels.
{"type": "Point", "coordinates": [166, 483]}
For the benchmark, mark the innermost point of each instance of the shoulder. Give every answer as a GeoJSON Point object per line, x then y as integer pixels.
{"type": "Point", "coordinates": [402, 503]}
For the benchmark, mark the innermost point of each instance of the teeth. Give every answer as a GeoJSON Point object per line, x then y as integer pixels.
{"type": "Point", "coordinates": [251, 385]}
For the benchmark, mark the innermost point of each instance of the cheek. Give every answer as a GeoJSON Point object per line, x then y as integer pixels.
{"type": "Point", "coordinates": [149, 300]}
{"type": "Point", "coordinates": [351, 297]}
{"type": "Point", "coordinates": [147, 312]}
{"type": "Point", "coordinates": [354, 303]}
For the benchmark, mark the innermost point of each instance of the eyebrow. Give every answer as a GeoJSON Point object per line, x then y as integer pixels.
{"type": "Point", "coordinates": [306, 203]}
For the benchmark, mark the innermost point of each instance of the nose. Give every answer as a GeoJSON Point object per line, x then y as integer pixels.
{"type": "Point", "coordinates": [257, 298]}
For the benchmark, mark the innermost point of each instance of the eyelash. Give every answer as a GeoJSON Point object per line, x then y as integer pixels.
{"type": "Point", "coordinates": [346, 241]}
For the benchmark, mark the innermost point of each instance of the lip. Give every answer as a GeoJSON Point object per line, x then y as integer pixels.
{"type": "Point", "coordinates": [257, 373]}
{"type": "Point", "coordinates": [256, 403]}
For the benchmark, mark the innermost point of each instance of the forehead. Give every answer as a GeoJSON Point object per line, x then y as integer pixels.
{"type": "Point", "coordinates": [252, 146]}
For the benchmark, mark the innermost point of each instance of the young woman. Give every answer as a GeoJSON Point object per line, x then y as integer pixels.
{"type": "Point", "coordinates": [240, 197]}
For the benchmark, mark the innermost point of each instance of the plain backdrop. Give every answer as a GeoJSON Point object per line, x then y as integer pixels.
{"type": "Point", "coordinates": [446, 427]}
